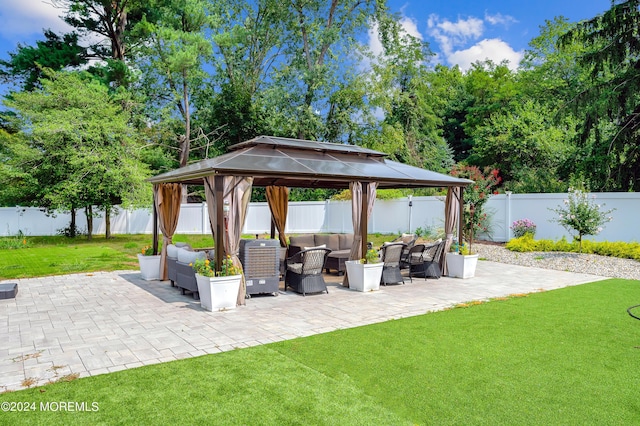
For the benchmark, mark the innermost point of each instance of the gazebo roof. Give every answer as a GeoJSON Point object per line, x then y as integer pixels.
{"type": "Point", "coordinates": [308, 164]}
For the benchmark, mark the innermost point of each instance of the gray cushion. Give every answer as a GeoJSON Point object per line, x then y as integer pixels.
{"type": "Point", "coordinates": [186, 256]}
{"type": "Point", "coordinates": [331, 241]}
{"type": "Point", "coordinates": [346, 241]}
{"type": "Point", "coordinates": [172, 251]}
{"type": "Point", "coordinates": [306, 240]}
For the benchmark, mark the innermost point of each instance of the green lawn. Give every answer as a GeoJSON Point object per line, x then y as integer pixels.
{"type": "Point", "coordinates": [569, 356]}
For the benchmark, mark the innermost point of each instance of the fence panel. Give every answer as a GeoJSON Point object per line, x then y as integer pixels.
{"type": "Point", "coordinates": [389, 216]}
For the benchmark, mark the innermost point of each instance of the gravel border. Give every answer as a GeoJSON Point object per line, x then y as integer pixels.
{"type": "Point", "coordinates": [573, 262]}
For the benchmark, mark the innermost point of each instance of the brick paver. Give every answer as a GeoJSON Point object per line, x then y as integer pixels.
{"type": "Point", "coordinates": [89, 324]}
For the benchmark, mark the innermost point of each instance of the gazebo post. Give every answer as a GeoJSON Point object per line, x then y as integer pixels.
{"type": "Point", "coordinates": [363, 219]}
{"type": "Point", "coordinates": [219, 236]}
{"type": "Point", "coordinates": [155, 226]}
{"type": "Point", "coordinates": [461, 215]}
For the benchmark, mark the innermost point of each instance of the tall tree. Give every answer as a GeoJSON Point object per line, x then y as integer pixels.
{"type": "Point", "coordinates": [172, 65]}
{"type": "Point", "coordinates": [612, 44]}
{"type": "Point", "coordinates": [25, 65]}
{"type": "Point", "coordinates": [81, 149]}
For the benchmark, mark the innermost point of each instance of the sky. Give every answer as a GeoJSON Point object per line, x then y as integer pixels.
{"type": "Point", "coordinates": [459, 32]}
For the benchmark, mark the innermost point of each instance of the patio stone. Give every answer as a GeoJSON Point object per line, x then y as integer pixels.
{"type": "Point", "coordinates": [91, 324]}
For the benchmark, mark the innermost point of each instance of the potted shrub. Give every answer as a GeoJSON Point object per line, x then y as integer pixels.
{"type": "Point", "coordinates": [365, 274]}
{"type": "Point", "coordinates": [149, 264]}
{"type": "Point", "coordinates": [217, 291]}
{"type": "Point", "coordinates": [460, 263]}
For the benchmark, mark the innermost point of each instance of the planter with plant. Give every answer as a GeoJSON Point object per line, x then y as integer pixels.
{"type": "Point", "coordinates": [460, 263]}
{"type": "Point", "coordinates": [149, 264]}
{"type": "Point", "coordinates": [365, 274]}
{"type": "Point", "coordinates": [219, 290]}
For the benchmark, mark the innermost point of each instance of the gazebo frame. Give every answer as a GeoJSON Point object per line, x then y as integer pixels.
{"type": "Point", "coordinates": [275, 161]}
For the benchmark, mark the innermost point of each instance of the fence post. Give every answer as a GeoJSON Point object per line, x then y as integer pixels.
{"type": "Point", "coordinates": [508, 214]}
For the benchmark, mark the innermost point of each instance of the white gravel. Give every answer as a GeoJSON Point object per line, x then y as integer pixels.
{"type": "Point", "coordinates": [573, 262]}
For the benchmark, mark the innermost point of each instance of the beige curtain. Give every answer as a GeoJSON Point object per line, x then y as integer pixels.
{"type": "Point", "coordinates": [356, 208]}
{"type": "Point", "coordinates": [451, 217]}
{"type": "Point", "coordinates": [237, 193]}
{"type": "Point", "coordinates": [167, 197]}
{"type": "Point", "coordinates": [278, 199]}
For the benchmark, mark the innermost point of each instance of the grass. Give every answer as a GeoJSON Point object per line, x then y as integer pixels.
{"type": "Point", "coordinates": [567, 356]}
{"type": "Point", "coordinates": [44, 256]}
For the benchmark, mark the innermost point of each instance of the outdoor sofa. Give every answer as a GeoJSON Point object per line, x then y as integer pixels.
{"type": "Point", "coordinates": [339, 244]}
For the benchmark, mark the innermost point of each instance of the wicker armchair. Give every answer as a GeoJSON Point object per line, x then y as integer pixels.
{"type": "Point", "coordinates": [429, 264]}
{"type": "Point", "coordinates": [412, 260]}
{"type": "Point", "coordinates": [304, 271]}
{"type": "Point", "coordinates": [391, 254]}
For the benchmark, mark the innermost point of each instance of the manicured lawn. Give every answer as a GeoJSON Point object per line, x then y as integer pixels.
{"type": "Point", "coordinates": [569, 356]}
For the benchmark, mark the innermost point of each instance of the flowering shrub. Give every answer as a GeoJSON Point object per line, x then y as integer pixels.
{"type": "Point", "coordinates": [475, 196]}
{"type": "Point", "coordinates": [521, 227]}
{"type": "Point", "coordinates": [581, 215]}
{"type": "Point", "coordinates": [206, 268]}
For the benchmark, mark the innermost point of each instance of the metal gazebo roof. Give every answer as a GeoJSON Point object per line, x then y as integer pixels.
{"type": "Point", "coordinates": [308, 164]}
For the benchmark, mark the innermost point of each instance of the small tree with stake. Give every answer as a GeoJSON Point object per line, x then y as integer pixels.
{"type": "Point", "coordinates": [474, 218]}
{"type": "Point", "coordinates": [581, 214]}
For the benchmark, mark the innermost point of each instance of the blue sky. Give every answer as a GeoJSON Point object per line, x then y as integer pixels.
{"type": "Point", "coordinates": [460, 32]}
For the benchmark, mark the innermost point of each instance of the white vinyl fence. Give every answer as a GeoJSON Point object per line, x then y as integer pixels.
{"type": "Point", "coordinates": [389, 216]}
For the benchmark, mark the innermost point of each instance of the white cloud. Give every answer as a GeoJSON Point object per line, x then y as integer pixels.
{"type": "Point", "coordinates": [493, 49]}
{"type": "Point", "coordinates": [22, 18]}
{"type": "Point", "coordinates": [463, 29]}
{"type": "Point", "coordinates": [500, 19]}
{"type": "Point", "coordinates": [453, 39]}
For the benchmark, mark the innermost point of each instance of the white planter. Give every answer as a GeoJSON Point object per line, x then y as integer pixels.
{"type": "Point", "coordinates": [461, 266]}
{"type": "Point", "coordinates": [217, 293]}
{"type": "Point", "coordinates": [364, 276]}
{"type": "Point", "coordinates": [149, 267]}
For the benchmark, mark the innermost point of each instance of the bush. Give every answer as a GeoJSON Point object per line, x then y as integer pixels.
{"type": "Point", "coordinates": [522, 227]}
{"type": "Point", "coordinates": [619, 249]}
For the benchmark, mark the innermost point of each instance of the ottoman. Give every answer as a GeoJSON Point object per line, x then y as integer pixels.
{"type": "Point", "coordinates": [8, 290]}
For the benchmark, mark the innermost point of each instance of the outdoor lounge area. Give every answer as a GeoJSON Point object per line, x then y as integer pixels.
{"type": "Point", "coordinates": [278, 164]}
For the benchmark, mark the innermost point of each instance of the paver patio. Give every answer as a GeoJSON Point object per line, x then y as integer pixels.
{"type": "Point", "coordinates": [96, 323]}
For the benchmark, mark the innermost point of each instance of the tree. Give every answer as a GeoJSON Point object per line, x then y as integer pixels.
{"type": "Point", "coordinates": [581, 214]}
{"type": "Point", "coordinates": [400, 88]}
{"type": "Point", "coordinates": [172, 65]}
{"type": "Point", "coordinates": [80, 149]}
{"type": "Point", "coordinates": [612, 54]}
{"type": "Point", "coordinates": [526, 145]}
{"type": "Point", "coordinates": [25, 65]}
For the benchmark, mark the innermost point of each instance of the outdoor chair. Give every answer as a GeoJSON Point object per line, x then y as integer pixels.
{"type": "Point", "coordinates": [413, 260]}
{"type": "Point", "coordinates": [391, 254]}
{"type": "Point", "coordinates": [185, 274]}
{"type": "Point", "coordinates": [431, 264]}
{"type": "Point", "coordinates": [303, 272]}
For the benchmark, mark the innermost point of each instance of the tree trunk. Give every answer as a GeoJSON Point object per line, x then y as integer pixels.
{"type": "Point", "coordinates": [107, 223]}
{"type": "Point", "coordinates": [88, 212]}
{"type": "Point", "coordinates": [72, 226]}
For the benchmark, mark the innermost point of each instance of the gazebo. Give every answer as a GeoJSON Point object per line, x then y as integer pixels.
{"type": "Point", "coordinates": [279, 164]}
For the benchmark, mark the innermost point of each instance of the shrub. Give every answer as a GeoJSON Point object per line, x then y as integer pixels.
{"type": "Point", "coordinates": [581, 215]}
{"type": "Point", "coordinates": [623, 250]}
{"type": "Point", "coordinates": [522, 227]}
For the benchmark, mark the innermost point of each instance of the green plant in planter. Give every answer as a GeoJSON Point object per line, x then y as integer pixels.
{"type": "Point", "coordinates": [147, 251]}
{"type": "Point", "coordinates": [371, 256]}
{"type": "Point", "coordinates": [206, 268]}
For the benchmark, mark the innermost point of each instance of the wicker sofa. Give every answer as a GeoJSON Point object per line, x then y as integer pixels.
{"type": "Point", "coordinates": [339, 244]}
